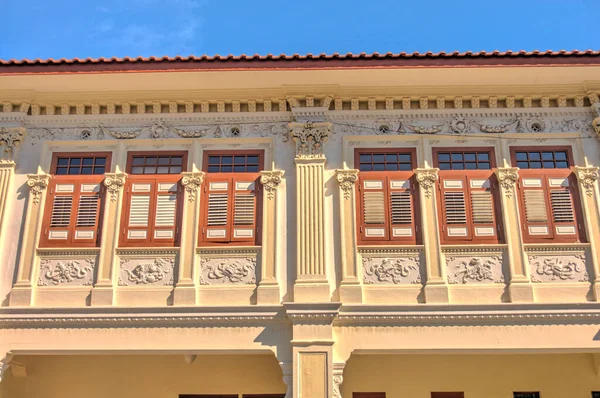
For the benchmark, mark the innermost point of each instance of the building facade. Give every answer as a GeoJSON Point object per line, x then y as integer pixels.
{"type": "Point", "coordinates": [365, 226]}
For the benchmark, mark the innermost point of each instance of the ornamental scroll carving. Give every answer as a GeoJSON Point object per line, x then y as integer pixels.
{"type": "Point", "coordinates": [557, 268]}
{"type": "Point", "coordinates": [66, 272]}
{"type": "Point", "coordinates": [426, 179]}
{"type": "Point", "coordinates": [228, 271]}
{"type": "Point", "coordinates": [37, 183]}
{"type": "Point", "coordinates": [158, 271]}
{"type": "Point", "coordinates": [114, 182]}
{"type": "Point", "coordinates": [587, 177]}
{"type": "Point", "coordinates": [270, 181]}
{"type": "Point", "coordinates": [347, 178]}
{"type": "Point", "coordinates": [398, 271]}
{"type": "Point", "coordinates": [10, 140]}
{"type": "Point", "coordinates": [507, 177]}
{"type": "Point", "coordinates": [192, 182]}
{"type": "Point", "coordinates": [474, 270]}
{"type": "Point", "coordinates": [309, 138]}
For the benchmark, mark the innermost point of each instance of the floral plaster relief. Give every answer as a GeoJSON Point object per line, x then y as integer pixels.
{"type": "Point", "coordinates": [156, 272]}
{"type": "Point", "coordinates": [471, 270]}
{"type": "Point", "coordinates": [228, 271]}
{"type": "Point", "coordinates": [558, 268]}
{"type": "Point", "coordinates": [74, 272]}
{"type": "Point", "coordinates": [399, 271]}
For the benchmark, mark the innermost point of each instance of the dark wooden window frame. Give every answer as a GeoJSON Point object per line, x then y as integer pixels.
{"type": "Point", "coordinates": [580, 235]}
{"type": "Point", "coordinates": [216, 176]}
{"type": "Point", "coordinates": [402, 174]}
{"type": "Point", "coordinates": [468, 175]}
{"type": "Point", "coordinates": [76, 179]}
{"type": "Point", "coordinates": [154, 179]}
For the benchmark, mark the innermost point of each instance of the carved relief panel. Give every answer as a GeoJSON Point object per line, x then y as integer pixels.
{"type": "Point", "coordinates": [157, 271]}
{"type": "Point", "coordinates": [391, 266]}
{"type": "Point", "coordinates": [67, 271]}
{"type": "Point", "coordinates": [558, 268]}
{"type": "Point", "coordinates": [228, 266]}
{"type": "Point", "coordinates": [474, 269]}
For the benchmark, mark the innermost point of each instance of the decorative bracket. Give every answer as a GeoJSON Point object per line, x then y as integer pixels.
{"type": "Point", "coordinates": [587, 177]}
{"type": "Point", "coordinates": [17, 368]}
{"type": "Point", "coordinates": [288, 377]}
{"type": "Point", "coordinates": [347, 178]}
{"type": "Point", "coordinates": [426, 179]}
{"type": "Point", "coordinates": [508, 176]}
{"type": "Point", "coordinates": [191, 182]}
{"type": "Point", "coordinates": [309, 138]}
{"type": "Point", "coordinates": [338, 378]}
{"type": "Point", "coordinates": [10, 141]}
{"type": "Point", "coordinates": [37, 183]}
{"type": "Point", "coordinates": [270, 181]}
{"type": "Point", "coordinates": [113, 183]}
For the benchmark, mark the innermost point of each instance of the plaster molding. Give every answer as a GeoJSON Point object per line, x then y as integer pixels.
{"type": "Point", "coordinates": [587, 177]}
{"type": "Point", "coordinates": [311, 313]}
{"type": "Point", "coordinates": [10, 142]}
{"type": "Point", "coordinates": [149, 252]}
{"type": "Point", "coordinates": [270, 181]}
{"type": "Point", "coordinates": [338, 379]}
{"type": "Point", "coordinates": [558, 268]}
{"type": "Point", "coordinates": [556, 248]}
{"type": "Point", "coordinates": [392, 270]}
{"type": "Point", "coordinates": [426, 179]}
{"type": "Point", "coordinates": [386, 251]}
{"type": "Point", "coordinates": [474, 270]}
{"type": "Point", "coordinates": [37, 184]}
{"type": "Point", "coordinates": [59, 253]}
{"type": "Point", "coordinates": [157, 271]}
{"type": "Point", "coordinates": [228, 271]}
{"type": "Point", "coordinates": [473, 250]}
{"type": "Point", "coordinates": [228, 251]}
{"type": "Point", "coordinates": [71, 272]}
{"type": "Point", "coordinates": [309, 138]}
{"type": "Point", "coordinates": [192, 182]}
{"type": "Point", "coordinates": [508, 176]}
{"type": "Point", "coordinates": [114, 183]}
{"type": "Point", "coordinates": [347, 179]}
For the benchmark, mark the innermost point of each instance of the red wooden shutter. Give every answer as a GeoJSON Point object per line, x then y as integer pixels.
{"type": "Point", "coordinates": [374, 207]}
{"type": "Point", "coordinates": [535, 215]}
{"type": "Point", "coordinates": [482, 209]}
{"type": "Point", "coordinates": [401, 207]}
{"type": "Point", "coordinates": [455, 205]}
{"type": "Point", "coordinates": [217, 203]}
{"type": "Point", "coordinates": [165, 215]}
{"type": "Point", "coordinates": [244, 198]}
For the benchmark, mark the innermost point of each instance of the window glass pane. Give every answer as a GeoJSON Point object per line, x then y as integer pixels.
{"type": "Point", "coordinates": [391, 166]}
{"type": "Point", "coordinates": [226, 169]}
{"type": "Point", "coordinates": [88, 161]}
{"type": "Point", "coordinates": [239, 160]}
{"type": "Point", "coordinates": [74, 170]}
{"type": "Point", "coordinates": [547, 155]}
{"type": "Point", "coordinates": [175, 169]}
{"type": "Point", "coordinates": [365, 167]}
{"type": "Point", "coordinates": [176, 160]}
{"type": "Point", "coordinates": [535, 165]}
{"type": "Point", "coordinates": [548, 165]}
{"type": "Point", "coordinates": [483, 156]}
{"type": "Point", "coordinates": [61, 170]}
{"type": "Point", "coordinates": [391, 158]}
{"type": "Point", "coordinates": [405, 166]}
{"type": "Point", "coordinates": [137, 161]}
{"type": "Point", "coordinates": [63, 161]}
{"type": "Point", "coordinates": [469, 157]}
{"type": "Point", "coordinates": [365, 157]}
{"type": "Point", "coordinates": [444, 166]}
{"type": "Point", "coordinates": [149, 170]}
{"type": "Point", "coordinates": [99, 170]}
{"type": "Point", "coordinates": [252, 168]}
{"type": "Point", "coordinates": [405, 157]}
{"type": "Point", "coordinates": [458, 166]}
{"type": "Point", "coordinates": [163, 170]}
{"type": "Point", "coordinates": [86, 170]}
{"type": "Point", "coordinates": [214, 159]}
{"type": "Point", "coordinates": [378, 167]}
{"type": "Point", "coordinates": [521, 155]}
{"type": "Point", "coordinates": [457, 157]}
{"type": "Point", "coordinates": [164, 160]}
{"type": "Point", "coordinates": [562, 165]}
{"type": "Point", "coordinates": [523, 165]}
{"type": "Point", "coordinates": [484, 166]}
{"type": "Point", "coordinates": [562, 155]}
{"type": "Point", "coordinates": [151, 161]}
{"type": "Point", "coordinates": [75, 161]}
{"type": "Point", "coordinates": [239, 168]}
{"type": "Point", "coordinates": [252, 160]}
{"type": "Point", "coordinates": [227, 160]}
{"type": "Point", "coordinates": [534, 156]}
{"type": "Point", "coordinates": [213, 169]}
{"type": "Point", "coordinates": [379, 158]}
{"type": "Point", "coordinates": [137, 170]}
{"type": "Point", "coordinates": [471, 166]}
{"type": "Point", "coordinates": [100, 161]}
{"type": "Point", "coordinates": [443, 157]}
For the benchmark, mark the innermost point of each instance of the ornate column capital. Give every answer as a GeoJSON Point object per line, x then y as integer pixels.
{"type": "Point", "coordinates": [507, 177]}
{"type": "Point", "coordinates": [270, 181]}
{"type": "Point", "coordinates": [10, 141]}
{"type": "Point", "coordinates": [347, 178]}
{"type": "Point", "coordinates": [587, 177]}
{"type": "Point", "coordinates": [192, 181]}
{"type": "Point", "coordinates": [37, 183]}
{"type": "Point", "coordinates": [114, 182]}
{"type": "Point", "coordinates": [309, 138]}
{"type": "Point", "coordinates": [426, 177]}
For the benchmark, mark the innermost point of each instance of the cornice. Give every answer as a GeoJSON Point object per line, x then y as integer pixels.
{"type": "Point", "coordinates": [390, 250]}
{"type": "Point", "coordinates": [147, 251]}
{"type": "Point", "coordinates": [556, 248]}
{"type": "Point", "coordinates": [471, 249]}
{"type": "Point", "coordinates": [311, 313]}
{"type": "Point", "coordinates": [228, 251]}
{"type": "Point", "coordinates": [65, 252]}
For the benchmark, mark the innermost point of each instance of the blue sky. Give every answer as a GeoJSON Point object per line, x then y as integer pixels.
{"type": "Point", "coordinates": [83, 28]}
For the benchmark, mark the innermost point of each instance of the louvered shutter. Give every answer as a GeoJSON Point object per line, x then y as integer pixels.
{"type": "Point", "coordinates": [244, 208]}
{"type": "Point", "coordinates": [165, 212]}
{"type": "Point", "coordinates": [455, 207]}
{"type": "Point", "coordinates": [562, 204]}
{"type": "Point", "coordinates": [140, 194]}
{"type": "Point", "coordinates": [535, 216]}
{"type": "Point", "coordinates": [218, 205]}
{"type": "Point", "coordinates": [483, 215]}
{"type": "Point", "coordinates": [401, 207]}
{"type": "Point", "coordinates": [62, 196]}
{"type": "Point", "coordinates": [374, 205]}
{"type": "Point", "coordinates": [87, 216]}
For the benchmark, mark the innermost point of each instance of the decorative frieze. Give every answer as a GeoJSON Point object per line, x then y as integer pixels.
{"type": "Point", "coordinates": [146, 271]}
{"type": "Point", "coordinates": [10, 141]}
{"type": "Point", "coordinates": [560, 267]}
{"type": "Point", "coordinates": [391, 270]}
{"type": "Point", "coordinates": [228, 271]}
{"type": "Point", "coordinates": [270, 181]}
{"type": "Point", "coordinates": [71, 272]}
{"type": "Point", "coordinates": [347, 179]}
{"type": "Point", "coordinates": [426, 179]}
{"type": "Point", "coordinates": [114, 182]}
{"type": "Point", "coordinates": [587, 177]}
{"type": "Point", "coordinates": [474, 269]}
{"type": "Point", "coordinates": [192, 182]}
{"type": "Point", "coordinates": [309, 138]}
{"type": "Point", "coordinates": [37, 184]}
{"type": "Point", "coordinates": [507, 177]}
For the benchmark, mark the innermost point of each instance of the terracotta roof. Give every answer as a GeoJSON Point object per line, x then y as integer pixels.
{"type": "Point", "coordinates": [415, 59]}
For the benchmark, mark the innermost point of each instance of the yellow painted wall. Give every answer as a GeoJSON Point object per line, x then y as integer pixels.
{"type": "Point", "coordinates": [479, 376]}
{"type": "Point", "coordinates": [147, 376]}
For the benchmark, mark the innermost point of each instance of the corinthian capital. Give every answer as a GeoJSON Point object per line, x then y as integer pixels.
{"type": "Point", "coordinates": [114, 182]}
{"type": "Point", "coordinates": [347, 178]}
{"type": "Point", "coordinates": [192, 182]}
{"type": "Point", "coordinates": [37, 184]}
{"type": "Point", "coordinates": [587, 177]}
{"type": "Point", "coordinates": [426, 179]}
{"type": "Point", "coordinates": [507, 177]}
{"type": "Point", "coordinates": [270, 181]}
{"type": "Point", "coordinates": [10, 141]}
{"type": "Point", "coordinates": [309, 138]}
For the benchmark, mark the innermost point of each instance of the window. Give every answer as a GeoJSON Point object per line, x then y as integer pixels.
{"type": "Point", "coordinates": [468, 192]}
{"type": "Point", "coordinates": [152, 206]}
{"type": "Point", "coordinates": [526, 395]}
{"type": "Point", "coordinates": [387, 201]}
{"type": "Point", "coordinates": [548, 195]}
{"type": "Point", "coordinates": [231, 198]}
{"type": "Point", "coordinates": [74, 201]}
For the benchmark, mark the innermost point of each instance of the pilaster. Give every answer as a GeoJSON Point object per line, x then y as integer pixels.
{"type": "Point", "coordinates": [311, 280]}
{"type": "Point", "coordinates": [436, 288]}
{"type": "Point", "coordinates": [22, 291]}
{"type": "Point", "coordinates": [519, 285]}
{"type": "Point", "coordinates": [590, 201]}
{"type": "Point", "coordinates": [268, 287]}
{"type": "Point", "coordinates": [103, 291]}
{"type": "Point", "coordinates": [185, 290]}
{"type": "Point", "coordinates": [350, 289]}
